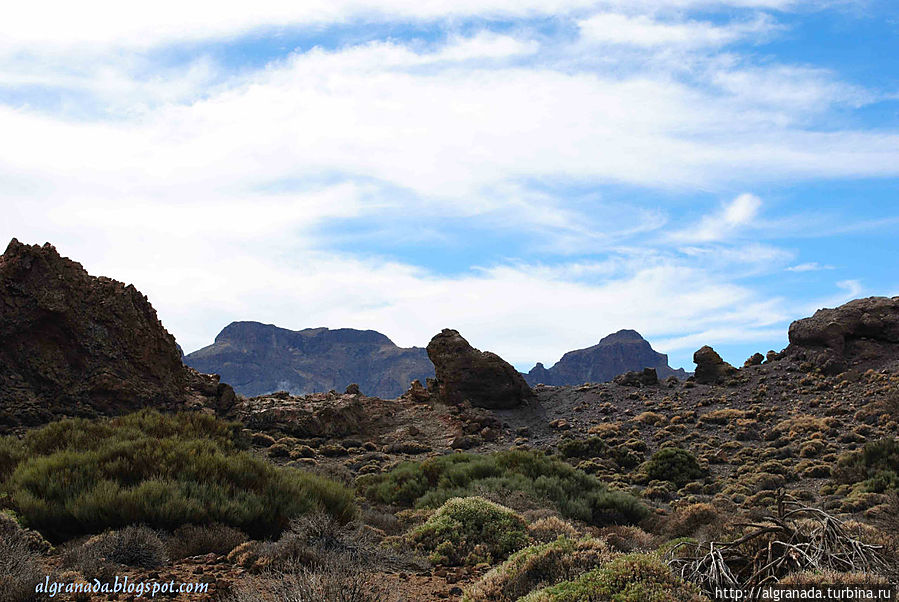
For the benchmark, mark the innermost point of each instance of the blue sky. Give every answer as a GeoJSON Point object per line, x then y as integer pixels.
{"type": "Point", "coordinates": [534, 173]}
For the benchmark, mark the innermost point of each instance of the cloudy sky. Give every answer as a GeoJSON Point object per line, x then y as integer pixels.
{"type": "Point", "coordinates": [534, 173]}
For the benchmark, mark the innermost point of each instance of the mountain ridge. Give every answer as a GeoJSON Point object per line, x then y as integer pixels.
{"type": "Point", "coordinates": [259, 358]}
{"type": "Point", "coordinates": [619, 352]}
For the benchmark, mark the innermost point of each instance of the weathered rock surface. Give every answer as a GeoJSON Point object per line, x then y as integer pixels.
{"type": "Point", "coordinates": [862, 330]}
{"type": "Point", "coordinates": [75, 344]}
{"type": "Point", "coordinates": [257, 359]}
{"type": "Point", "coordinates": [646, 378]}
{"type": "Point", "coordinates": [710, 368]}
{"type": "Point", "coordinates": [317, 415]}
{"type": "Point", "coordinates": [482, 378]}
{"type": "Point", "coordinates": [618, 353]}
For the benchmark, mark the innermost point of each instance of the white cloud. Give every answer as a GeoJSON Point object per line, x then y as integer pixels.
{"type": "Point", "coordinates": [209, 188]}
{"type": "Point", "coordinates": [733, 216]}
{"type": "Point", "coordinates": [811, 266]}
{"type": "Point", "coordinates": [643, 30]}
{"type": "Point", "coordinates": [52, 24]}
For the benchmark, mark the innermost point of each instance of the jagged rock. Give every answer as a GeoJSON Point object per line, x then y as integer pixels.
{"type": "Point", "coordinates": [259, 358]}
{"type": "Point", "coordinates": [480, 377]}
{"type": "Point", "coordinates": [754, 360]}
{"type": "Point", "coordinates": [417, 392]}
{"type": "Point", "coordinates": [316, 415]}
{"type": "Point", "coordinates": [862, 330]}
{"type": "Point", "coordinates": [353, 389]}
{"type": "Point", "coordinates": [618, 353]}
{"type": "Point", "coordinates": [75, 344]}
{"type": "Point", "coordinates": [710, 368]}
{"type": "Point", "coordinates": [647, 377]}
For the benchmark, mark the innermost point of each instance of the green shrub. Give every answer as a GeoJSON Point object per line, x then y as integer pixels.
{"type": "Point", "coordinates": [675, 465]}
{"type": "Point", "coordinates": [81, 476]}
{"type": "Point", "coordinates": [875, 467]}
{"type": "Point", "coordinates": [630, 578]}
{"type": "Point", "coordinates": [596, 447]}
{"type": "Point", "coordinates": [469, 531]}
{"type": "Point", "coordinates": [539, 566]}
{"type": "Point", "coordinates": [571, 492]}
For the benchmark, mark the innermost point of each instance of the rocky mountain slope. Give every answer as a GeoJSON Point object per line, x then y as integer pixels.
{"type": "Point", "coordinates": [259, 358]}
{"type": "Point", "coordinates": [75, 344]}
{"type": "Point", "coordinates": [623, 351]}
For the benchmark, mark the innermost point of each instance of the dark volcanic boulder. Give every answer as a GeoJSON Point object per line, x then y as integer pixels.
{"type": "Point", "coordinates": [618, 353]}
{"type": "Point", "coordinates": [73, 344]}
{"type": "Point", "coordinates": [863, 331]}
{"type": "Point", "coordinates": [482, 378]}
{"type": "Point", "coordinates": [710, 368]}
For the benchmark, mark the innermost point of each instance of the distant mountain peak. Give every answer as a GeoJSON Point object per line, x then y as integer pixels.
{"type": "Point", "coordinates": [617, 353]}
{"type": "Point", "coordinates": [259, 358]}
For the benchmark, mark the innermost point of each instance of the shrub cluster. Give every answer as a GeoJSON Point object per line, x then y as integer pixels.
{"type": "Point", "coordinates": [875, 466]}
{"type": "Point", "coordinates": [470, 531]}
{"type": "Point", "coordinates": [79, 476]}
{"type": "Point", "coordinates": [547, 480]}
{"type": "Point", "coordinates": [630, 578]}
{"type": "Point", "coordinates": [539, 566]}
{"type": "Point", "coordinates": [675, 465]}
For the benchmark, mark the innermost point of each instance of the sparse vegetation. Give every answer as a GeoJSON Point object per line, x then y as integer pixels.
{"type": "Point", "coordinates": [539, 566]}
{"type": "Point", "coordinates": [80, 476]}
{"type": "Point", "coordinates": [630, 578]}
{"type": "Point", "coordinates": [571, 492]}
{"type": "Point", "coordinates": [875, 468]}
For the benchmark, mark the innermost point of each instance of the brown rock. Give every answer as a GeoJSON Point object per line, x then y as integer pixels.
{"type": "Point", "coordinates": [480, 377]}
{"type": "Point", "coordinates": [75, 344]}
{"type": "Point", "coordinates": [754, 360]}
{"type": "Point", "coordinates": [863, 330]}
{"type": "Point", "coordinates": [710, 368]}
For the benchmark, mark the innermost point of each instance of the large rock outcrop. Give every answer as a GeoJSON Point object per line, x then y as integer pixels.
{"type": "Point", "coordinates": [618, 353]}
{"type": "Point", "coordinates": [74, 344]}
{"type": "Point", "coordinates": [481, 378]}
{"type": "Point", "coordinates": [710, 368]}
{"type": "Point", "coordinates": [257, 359]}
{"type": "Point", "coordinates": [862, 331]}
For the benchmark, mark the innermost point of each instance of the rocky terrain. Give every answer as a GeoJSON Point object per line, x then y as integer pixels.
{"type": "Point", "coordinates": [620, 352]}
{"type": "Point", "coordinates": [259, 358]}
{"type": "Point", "coordinates": [77, 345]}
{"type": "Point", "coordinates": [428, 495]}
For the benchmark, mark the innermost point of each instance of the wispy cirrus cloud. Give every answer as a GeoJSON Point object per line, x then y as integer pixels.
{"type": "Point", "coordinates": [542, 192]}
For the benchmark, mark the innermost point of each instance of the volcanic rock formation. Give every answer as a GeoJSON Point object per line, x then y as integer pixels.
{"type": "Point", "coordinates": [863, 330]}
{"type": "Point", "coordinates": [74, 344]}
{"type": "Point", "coordinates": [623, 351]}
{"type": "Point", "coordinates": [482, 378]}
{"type": "Point", "coordinates": [710, 368]}
{"type": "Point", "coordinates": [257, 359]}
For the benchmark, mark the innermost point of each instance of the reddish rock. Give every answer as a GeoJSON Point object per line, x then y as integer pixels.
{"type": "Point", "coordinates": [75, 344]}
{"type": "Point", "coordinates": [482, 378]}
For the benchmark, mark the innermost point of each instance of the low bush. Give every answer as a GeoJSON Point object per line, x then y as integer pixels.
{"type": "Point", "coordinates": [675, 465]}
{"type": "Point", "coordinates": [546, 480]}
{"type": "Point", "coordinates": [336, 581]}
{"type": "Point", "coordinates": [134, 546]}
{"type": "Point", "coordinates": [467, 531]}
{"type": "Point", "coordinates": [539, 566]}
{"type": "Point", "coordinates": [630, 578]}
{"type": "Point", "coordinates": [194, 540]}
{"type": "Point", "coordinates": [20, 569]}
{"type": "Point", "coordinates": [80, 476]}
{"type": "Point", "coordinates": [875, 467]}
{"type": "Point", "coordinates": [550, 528]}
